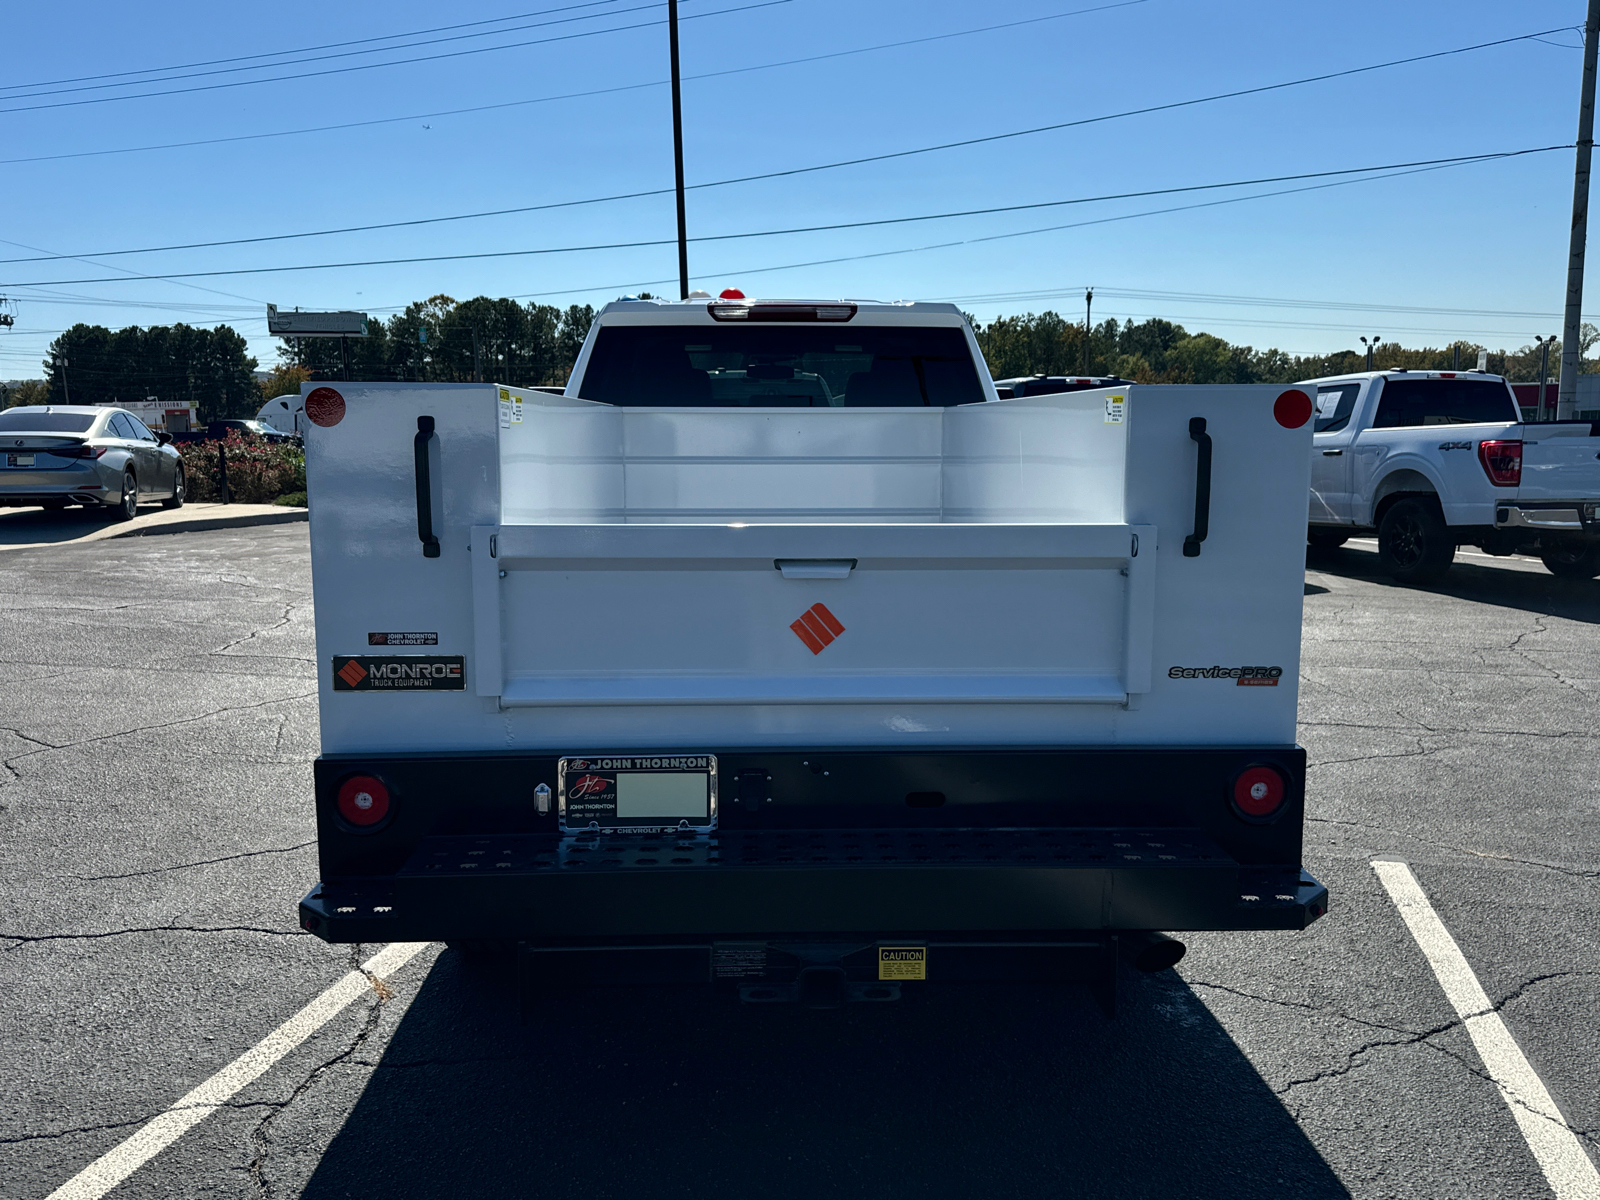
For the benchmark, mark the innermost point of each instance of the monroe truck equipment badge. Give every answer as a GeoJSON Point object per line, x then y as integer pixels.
{"type": "Point", "coordinates": [398, 673]}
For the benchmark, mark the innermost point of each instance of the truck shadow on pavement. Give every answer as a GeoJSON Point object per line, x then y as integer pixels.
{"type": "Point", "coordinates": [972, 1090]}
{"type": "Point", "coordinates": [1534, 591]}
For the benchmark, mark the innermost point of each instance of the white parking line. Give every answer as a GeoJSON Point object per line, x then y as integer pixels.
{"type": "Point", "coordinates": [111, 1168]}
{"type": "Point", "coordinates": [1567, 1167]}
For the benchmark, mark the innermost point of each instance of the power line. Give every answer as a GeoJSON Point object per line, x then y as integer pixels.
{"type": "Point", "coordinates": [211, 62]}
{"type": "Point", "coordinates": [844, 258]}
{"type": "Point", "coordinates": [650, 192]}
{"type": "Point", "coordinates": [212, 87]}
{"type": "Point", "coordinates": [828, 228]}
{"type": "Point", "coordinates": [1245, 301]}
{"type": "Point", "coordinates": [290, 62]}
{"type": "Point", "coordinates": [584, 95]}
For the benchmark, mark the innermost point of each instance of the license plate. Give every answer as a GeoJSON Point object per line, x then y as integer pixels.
{"type": "Point", "coordinates": [640, 793]}
{"type": "Point", "coordinates": [19, 460]}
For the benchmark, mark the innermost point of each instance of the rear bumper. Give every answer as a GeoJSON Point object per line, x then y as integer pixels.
{"type": "Point", "coordinates": [860, 842]}
{"type": "Point", "coordinates": [1568, 519]}
{"type": "Point", "coordinates": [546, 898]}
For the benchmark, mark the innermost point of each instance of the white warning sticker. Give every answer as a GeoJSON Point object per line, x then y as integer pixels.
{"type": "Point", "coordinates": [1116, 406]}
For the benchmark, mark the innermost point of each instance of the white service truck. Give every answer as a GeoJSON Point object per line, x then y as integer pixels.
{"type": "Point", "coordinates": [778, 652]}
{"type": "Point", "coordinates": [1432, 460]}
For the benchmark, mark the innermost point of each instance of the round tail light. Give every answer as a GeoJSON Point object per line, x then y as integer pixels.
{"type": "Point", "coordinates": [363, 800]}
{"type": "Point", "coordinates": [1259, 792]}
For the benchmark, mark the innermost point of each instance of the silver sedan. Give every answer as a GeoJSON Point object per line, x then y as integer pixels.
{"type": "Point", "coordinates": [53, 455]}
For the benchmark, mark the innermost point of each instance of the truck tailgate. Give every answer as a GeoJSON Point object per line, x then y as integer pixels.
{"type": "Point", "coordinates": [1560, 462]}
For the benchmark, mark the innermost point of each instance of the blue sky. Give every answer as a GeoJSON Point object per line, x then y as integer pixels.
{"type": "Point", "coordinates": [1473, 251]}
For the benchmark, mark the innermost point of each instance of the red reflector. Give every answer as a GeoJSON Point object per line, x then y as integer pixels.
{"type": "Point", "coordinates": [1259, 791]}
{"type": "Point", "coordinates": [1502, 462]}
{"type": "Point", "coordinates": [363, 800]}
{"type": "Point", "coordinates": [730, 294]}
{"type": "Point", "coordinates": [1292, 409]}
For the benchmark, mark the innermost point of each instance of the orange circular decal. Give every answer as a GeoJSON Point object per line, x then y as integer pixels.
{"type": "Point", "coordinates": [325, 407]}
{"type": "Point", "coordinates": [1291, 410]}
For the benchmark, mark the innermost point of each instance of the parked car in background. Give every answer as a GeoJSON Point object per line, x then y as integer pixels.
{"type": "Point", "coordinates": [1432, 460]}
{"type": "Point", "coordinates": [57, 454]}
{"type": "Point", "coordinates": [218, 430]}
{"type": "Point", "coordinates": [1050, 385]}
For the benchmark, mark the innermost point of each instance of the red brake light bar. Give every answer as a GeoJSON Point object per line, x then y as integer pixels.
{"type": "Point", "coordinates": [780, 312]}
{"type": "Point", "coordinates": [1502, 462]}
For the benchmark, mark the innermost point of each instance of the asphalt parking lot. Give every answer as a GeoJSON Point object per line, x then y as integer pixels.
{"type": "Point", "coordinates": [157, 727]}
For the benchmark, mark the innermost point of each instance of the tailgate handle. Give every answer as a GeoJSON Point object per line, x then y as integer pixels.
{"type": "Point", "coordinates": [815, 568]}
{"type": "Point", "coordinates": [430, 543]}
{"type": "Point", "coordinates": [1202, 488]}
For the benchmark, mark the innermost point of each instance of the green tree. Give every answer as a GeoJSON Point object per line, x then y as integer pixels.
{"type": "Point", "coordinates": [90, 364]}
{"type": "Point", "coordinates": [29, 391]}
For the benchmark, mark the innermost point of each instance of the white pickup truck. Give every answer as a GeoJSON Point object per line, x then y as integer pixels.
{"type": "Point", "coordinates": [1433, 460]}
{"type": "Point", "coordinates": [778, 652]}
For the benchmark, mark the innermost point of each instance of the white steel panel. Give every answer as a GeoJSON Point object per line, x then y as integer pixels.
{"type": "Point", "coordinates": [950, 621]}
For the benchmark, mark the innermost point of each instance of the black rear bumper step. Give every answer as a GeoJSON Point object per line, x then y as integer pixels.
{"type": "Point", "coordinates": [591, 889]}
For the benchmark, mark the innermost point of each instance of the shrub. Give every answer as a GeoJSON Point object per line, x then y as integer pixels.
{"type": "Point", "coordinates": [258, 471]}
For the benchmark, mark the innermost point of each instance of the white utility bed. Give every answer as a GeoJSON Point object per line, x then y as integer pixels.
{"type": "Point", "coordinates": [1006, 573]}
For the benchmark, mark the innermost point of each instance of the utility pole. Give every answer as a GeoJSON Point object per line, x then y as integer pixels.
{"type": "Point", "coordinates": [477, 360]}
{"type": "Point", "coordinates": [65, 386]}
{"type": "Point", "coordinates": [1567, 395]}
{"type": "Point", "coordinates": [677, 150]}
{"type": "Point", "coordinates": [1088, 325]}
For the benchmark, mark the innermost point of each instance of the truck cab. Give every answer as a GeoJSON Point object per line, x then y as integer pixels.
{"type": "Point", "coordinates": [777, 652]}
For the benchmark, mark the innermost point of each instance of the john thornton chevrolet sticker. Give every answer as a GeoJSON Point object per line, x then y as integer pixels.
{"type": "Point", "coordinates": [902, 962]}
{"type": "Point", "coordinates": [399, 673]}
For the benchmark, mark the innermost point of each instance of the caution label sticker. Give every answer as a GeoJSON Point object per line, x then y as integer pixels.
{"type": "Point", "coordinates": [902, 962]}
{"type": "Point", "coordinates": [1116, 406]}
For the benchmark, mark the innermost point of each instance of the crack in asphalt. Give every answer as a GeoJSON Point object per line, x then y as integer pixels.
{"type": "Point", "coordinates": [1518, 733]}
{"type": "Point", "coordinates": [1420, 752]}
{"type": "Point", "coordinates": [259, 1138]}
{"type": "Point", "coordinates": [144, 1120]}
{"type": "Point", "coordinates": [288, 611]}
{"type": "Point", "coordinates": [1574, 872]}
{"type": "Point", "coordinates": [46, 746]}
{"type": "Point", "coordinates": [204, 862]}
{"type": "Point", "coordinates": [23, 939]}
{"type": "Point", "coordinates": [1356, 1058]}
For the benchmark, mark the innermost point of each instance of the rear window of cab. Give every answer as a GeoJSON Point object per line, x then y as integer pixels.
{"type": "Point", "coordinates": [1407, 403]}
{"type": "Point", "coordinates": [781, 366]}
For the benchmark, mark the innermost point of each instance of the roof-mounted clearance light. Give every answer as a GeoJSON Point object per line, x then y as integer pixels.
{"type": "Point", "coordinates": [780, 312]}
{"type": "Point", "coordinates": [730, 294]}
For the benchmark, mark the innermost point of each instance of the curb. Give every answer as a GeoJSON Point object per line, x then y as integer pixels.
{"type": "Point", "coordinates": [200, 525]}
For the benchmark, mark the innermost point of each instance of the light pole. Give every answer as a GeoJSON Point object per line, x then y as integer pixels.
{"type": "Point", "coordinates": [1088, 325]}
{"type": "Point", "coordinates": [1544, 369]}
{"type": "Point", "coordinates": [677, 150]}
{"type": "Point", "coordinates": [65, 386]}
{"type": "Point", "coordinates": [1371, 346]}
